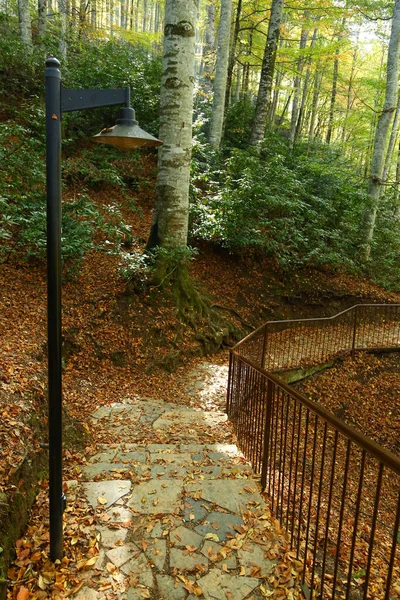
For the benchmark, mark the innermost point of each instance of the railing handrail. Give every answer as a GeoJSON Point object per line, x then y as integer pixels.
{"type": "Point", "coordinates": [308, 320]}
{"type": "Point", "coordinates": [384, 456]}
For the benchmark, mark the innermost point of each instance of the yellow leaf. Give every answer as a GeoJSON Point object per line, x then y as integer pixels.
{"type": "Point", "coordinates": [101, 500]}
{"type": "Point", "coordinates": [211, 536]}
{"type": "Point", "coordinates": [91, 561]}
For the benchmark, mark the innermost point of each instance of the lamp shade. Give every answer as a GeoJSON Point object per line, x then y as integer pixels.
{"type": "Point", "coordinates": [126, 133]}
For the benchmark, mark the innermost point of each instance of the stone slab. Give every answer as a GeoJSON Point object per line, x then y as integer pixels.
{"type": "Point", "coordinates": [169, 589]}
{"type": "Point", "coordinates": [229, 494]}
{"type": "Point", "coordinates": [212, 551]}
{"type": "Point", "coordinates": [157, 553]}
{"type": "Point", "coordinates": [155, 497]}
{"type": "Point", "coordinates": [184, 561]}
{"type": "Point", "coordinates": [110, 537]}
{"type": "Point", "coordinates": [140, 568]}
{"type": "Point", "coordinates": [169, 472]}
{"type": "Point", "coordinates": [182, 536]}
{"type": "Point", "coordinates": [196, 509]}
{"type": "Point", "coordinates": [221, 524]}
{"type": "Point", "coordinates": [131, 457]}
{"type": "Point", "coordinates": [171, 458]}
{"type": "Point", "coordinates": [120, 514]}
{"type": "Point", "coordinates": [102, 412]}
{"type": "Point", "coordinates": [87, 593]}
{"type": "Point", "coordinates": [110, 490]}
{"type": "Point", "coordinates": [92, 470]}
{"type": "Point", "coordinates": [105, 457]}
{"type": "Point", "coordinates": [254, 557]}
{"type": "Point", "coordinates": [121, 554]}
{"type": "Point", "coordinates": [217, 585]}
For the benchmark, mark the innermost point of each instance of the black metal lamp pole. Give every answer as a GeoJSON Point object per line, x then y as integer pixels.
{"type": "Point", "coordinates": [125, 134]}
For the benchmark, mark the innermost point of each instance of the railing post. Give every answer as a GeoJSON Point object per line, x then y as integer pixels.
{"type": "Point", "coordinates": [267, 430]}
{"type": "Point", "coordinates": [229, 393]}
{"type": "Point", "coordinates": [354, 331]}
{"type": "Point", "coordinates": [264, 348]}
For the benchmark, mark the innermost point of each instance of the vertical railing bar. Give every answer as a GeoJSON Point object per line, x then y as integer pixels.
{"type": "Point", "coordinates": [271, 440]}
{"type": "Point", "coordinates": [321, 478]}
{"type": "Point", "coordinates": [267, 432]}
{"type": "Point", "coordinates": [264, 348]}
{"type": "Point", "coordinates": [328, 511]}
{"type": "Point", "coordinates": [287, 397]}
{"type": "Point", "coordinates": [393, 550]}
{"type": "Point", "coordinates": [291, 460]}
{"type": "Point", "coordinates": [281, 450]}
{"type": "Point", "coordinates": [228, 395]}
{"type": "Point", "coordinates": [303, 477]}
{"type": "Point", "coordinates": [355, 526]}
{"type": "Point", "coordinates": [296, 473]}
{"type": "Point", "coordinates": [276, 410]}
{"type": "Point", "coordinates": [259, 417]}
{"type": "Point", "coordinates": [373, 526]}
{"type": "Point", "coordinates": [310, 494]}
{"type": "Point", "coordinates": [344, 491]}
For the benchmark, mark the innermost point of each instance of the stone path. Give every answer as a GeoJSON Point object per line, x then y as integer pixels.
{"type": "Point", "coordinates": [177, 515]}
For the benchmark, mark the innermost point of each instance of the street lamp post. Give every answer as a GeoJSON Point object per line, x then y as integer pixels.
{"type": "Point", "coordinates": [125, 134]}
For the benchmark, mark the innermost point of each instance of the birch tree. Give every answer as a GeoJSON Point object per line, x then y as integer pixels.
{"type": "Point", "coordinates": [171, 214]}
{"type": "Point", "coordinates": [221, 73]}
{"type": "Point", "coordinates": [267, 73]}
{"type": "Point", "coordinates": [25, 26]}
{"type": "Point", "coordinates": [381, 134]}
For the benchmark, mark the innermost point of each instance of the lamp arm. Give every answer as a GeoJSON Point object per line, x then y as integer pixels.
{"type": "Point", "coordinates": [82, 99]}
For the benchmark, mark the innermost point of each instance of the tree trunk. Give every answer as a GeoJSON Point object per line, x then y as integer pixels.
{"type": "Point", "coordinates": [62, 42]}
{"type": "Point", "coordinates": [171, 213]}
{"type": "Point", "coordinates": [300, 119]}
{"type": "Point", "coordinates": [382, 129]}
{"type": "Point", "coordinates": [232, 54]}
{"type": "Point", "coordinates": [392, 142]}
{"type": "Point", "coordinates": [333, 96]}
{"type": "Point", "coordinates": [221, 71]}
{"type": "Point", "coordinates": [314, 105]}
{"type": "Point", "coordinates": [208, 49]}
{"type": "Point", "coordinates": [267, 73]}
{"type": "Point", "coordinates": [25, 26]}
{"type": "Point", "coordinates": [297, 86]}
{"type": "Point", "coordinates": [42, 18]}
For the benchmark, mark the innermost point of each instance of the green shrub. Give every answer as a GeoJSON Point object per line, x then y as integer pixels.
{"type": "Point", "coordinates": [300, 212]}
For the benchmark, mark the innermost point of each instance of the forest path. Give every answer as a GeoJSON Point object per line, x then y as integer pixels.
{"type": "Point", "coordinates": [177, 511]}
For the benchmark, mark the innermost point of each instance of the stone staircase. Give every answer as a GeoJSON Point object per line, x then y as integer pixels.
{"type": "Point", "coordinates": [177, 515]}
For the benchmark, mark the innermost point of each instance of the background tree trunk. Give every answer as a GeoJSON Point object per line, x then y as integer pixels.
{"type": "Point", "coordinates": [267, 73]}
{"type": "Point", "coordinates": [221, 73]}
{"type": "Point", "coordinates": [25, 26]}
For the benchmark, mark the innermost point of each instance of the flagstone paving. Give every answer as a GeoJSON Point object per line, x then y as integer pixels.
{"type": "Point", "coordinates": [177, 520]}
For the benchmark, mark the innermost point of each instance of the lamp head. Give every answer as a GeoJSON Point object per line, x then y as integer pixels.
{"type": "Point", "coordinates": [126, 133]}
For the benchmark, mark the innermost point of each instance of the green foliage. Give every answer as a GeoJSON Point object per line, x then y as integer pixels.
{"type": "Point", "coordinates": [238, 123]}
{"type": "Point", "coordinates": [300, 210]}
{"type": "Point", "coordinates": [112, 64]}
{"type": "Point", "coordinates": [95, 167]}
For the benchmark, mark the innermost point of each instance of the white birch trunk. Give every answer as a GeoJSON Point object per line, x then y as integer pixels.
{"type": "Point", "coordinates": [25, 25]}
{"type": "Point", "coordinates": [392, 142]}
{"type": "Point", "coordinates": [42, 18]}
{"type": "Point", "coordinates": [267, 73]}
{"type": "Point", "coordinates": [381, 133]}
{"type": "Point", "coordinates": [171, 214]}
{"type": "Point", "coordinates": [221, 74]}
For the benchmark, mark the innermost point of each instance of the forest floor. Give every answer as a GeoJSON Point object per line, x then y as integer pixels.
{"type": "Point", "coordinates": [118, 344]}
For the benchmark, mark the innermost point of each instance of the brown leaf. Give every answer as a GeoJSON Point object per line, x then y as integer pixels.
{"type": "Point", "coordinates": [23, 593]}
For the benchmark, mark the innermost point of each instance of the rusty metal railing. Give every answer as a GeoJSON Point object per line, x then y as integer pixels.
{"type": "Point", "coordinates": [336, 491]}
